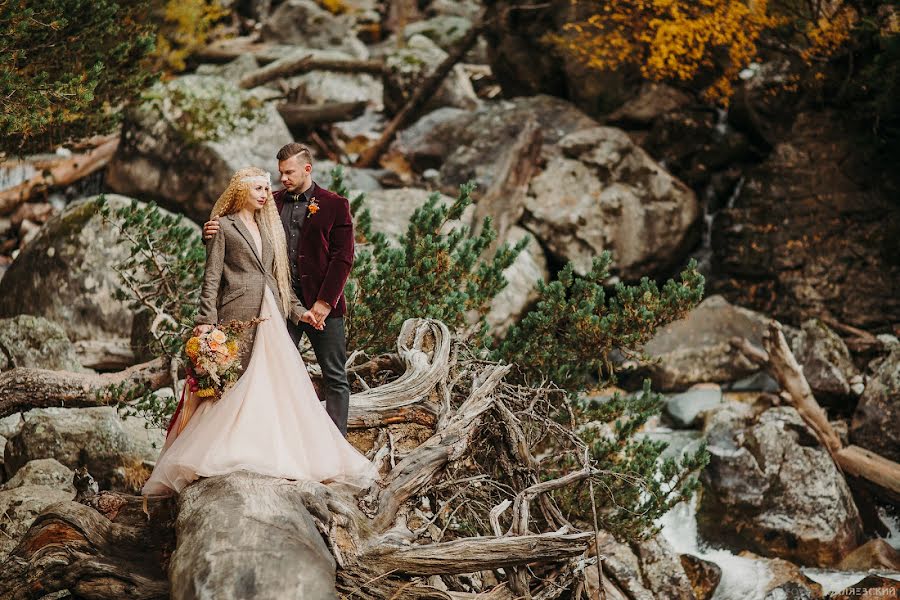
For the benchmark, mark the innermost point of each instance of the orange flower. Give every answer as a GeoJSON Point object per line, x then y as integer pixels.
{"type": "Point", "coordinates": [218, 336]}
{"type": "Point", "coordinates": [313, 206]}
{"type": "Point", "coordinates": [213, 344]}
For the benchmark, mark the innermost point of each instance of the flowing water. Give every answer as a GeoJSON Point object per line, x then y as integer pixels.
{"type": "Point", "coordinates": [743, 578]}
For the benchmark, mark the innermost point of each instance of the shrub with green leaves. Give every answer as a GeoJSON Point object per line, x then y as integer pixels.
{"type": "Point", "coordinates": [429, 274]}
{"type": "Point", "coordinates": [67, 66]}
{"type": "Point", "coordinates": [160, 279]}
{"type": "Point", "coordinates": [576, 325]}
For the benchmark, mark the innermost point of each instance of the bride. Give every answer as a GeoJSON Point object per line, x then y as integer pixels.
{"type": "Point", "coordinates": [270, 421]}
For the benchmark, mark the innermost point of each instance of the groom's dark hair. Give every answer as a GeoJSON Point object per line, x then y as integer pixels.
{"type": "Point", "coordinates": [293, 149]}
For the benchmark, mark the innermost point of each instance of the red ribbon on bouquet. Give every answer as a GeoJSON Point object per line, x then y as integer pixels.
{"type": "Point", "coordinates": [190, 383]}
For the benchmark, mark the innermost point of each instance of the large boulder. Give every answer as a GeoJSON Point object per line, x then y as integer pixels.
{"type": "Point", "coordinates": [260, 543]}
{"type": "Point", "coordinates": [771, 488]}
{"type": "Point", "coordinates": [408, 66]}
{"type": "Point", "coordinates": [813, 231]}
{"type": "Point", "coordinates": [40, 484]}
{"type": "Point", "coordinates": [696, 349]}
{"type": "Point", "coordinates": [305, 23]}
{"type": "Point", "coordinates": [391, 210]}
{"type": "Point", "coordinates": [606, 193]}
{"type": "Point", "coordinates": [785, 581]}
{"type": "Point", "coordinates": [323, 86]}
{"type": "Point", "coordinates": [93, 437]}
{"type": "Point", "coordinates": [464, 145]}
{"type": "Point", "coordinates": [874, 423]}
{"type": "Point", "coordinates": [182, 144]}
{"type": "Point", "coordinates": [826, 362]}
{"type": "Point", "coordinates": [662, 569]}
{"type": "Point", "coordinates": [27, 341]}
{"type": "Point", "coordinates": [67, 274]}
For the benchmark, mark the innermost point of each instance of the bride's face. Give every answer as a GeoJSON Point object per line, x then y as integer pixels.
{"type": "Point", "coordinates": [259, 193]}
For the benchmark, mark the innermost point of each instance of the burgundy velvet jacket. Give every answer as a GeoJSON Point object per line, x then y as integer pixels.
{"type": "Point", "coordinates": [325, 253]}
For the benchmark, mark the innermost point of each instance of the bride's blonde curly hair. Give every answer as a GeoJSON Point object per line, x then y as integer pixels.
{"type": "Point", "coordinates": [235, 198]}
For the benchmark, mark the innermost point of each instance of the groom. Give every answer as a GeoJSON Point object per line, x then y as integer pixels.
{"type": "Point", "coordinates": [319, 233]}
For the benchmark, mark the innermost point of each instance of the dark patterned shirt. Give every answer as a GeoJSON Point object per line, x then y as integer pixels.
{"type": "Point", "coordinates": [293, 213]}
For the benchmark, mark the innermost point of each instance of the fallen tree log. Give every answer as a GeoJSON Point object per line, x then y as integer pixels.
{"type": "Point", "coordinates": [116, 552]}
{"type": "Point", "coordinates": [292, 65]}
{"type": "Point", "coordinates": [59, 172]}
{"type": "Point", "coordinates": [423, 93]}
{"type": "Point", "coordinates": [313, 115]}
{"type": "Point", "coordinates": [25, 388]}
{"type": "Point", "coordinates": [777, 357]}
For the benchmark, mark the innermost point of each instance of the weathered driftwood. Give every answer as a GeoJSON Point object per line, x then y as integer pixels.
{"type": "Point", "coordinates": [291, 65]}
{"type": "Point", "coordinates": [777, 357]}
{"type": "Point", "coordinates": [26, 388]}
{"type": "Point", "coordinates": [226, 50]}
{"type": "Point", "coordinates": [59, 171]}
{"type": "Point", "coordinates": [423, 93]}
{"type": "Point", "coordinates": [107, 551]}
{"type": "Point", "coordinates": [243, 534]}
{"type": "Point", "coordinates": [313, 115]}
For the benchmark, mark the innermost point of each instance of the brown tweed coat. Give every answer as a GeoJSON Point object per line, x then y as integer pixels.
{"type": "Point", "coordinates": [236, 278]}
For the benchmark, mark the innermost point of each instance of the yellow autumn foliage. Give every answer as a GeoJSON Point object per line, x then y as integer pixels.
{"type": "Point", "coordinates": [684, 40]}
{"type": "Point", "coordinates": [185, 26]}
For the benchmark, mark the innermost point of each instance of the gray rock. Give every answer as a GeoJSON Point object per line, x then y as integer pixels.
{"type": "Point", "coordinates": [874, 424]}
{"type": "Point", "coordinates": [11, 425]}
{"type": "Point", "coordinates": [606, 193]}
{"type": "Point", "coordinates": [623, 567]}
{"type": "Point", "coordinates": [322, 87]}
{"type": "Point", "coordinates": [522, 277]}
{"type": "Point", "coordinates": [772, 488]}
{"type": "Point", "coordinates": [47, 472]}
{"type": "Point", "coordinates": [357, 180]}
{"type": "Point", "coordinates": [304, 23]}
{"type": "Point", "coordinates": [466, 145]}
{"type": "Point", "coordinates": [175, 152]}
{"type": "Point", "coordinates": [94, 437]}
{"type": "Point", "coordinates": [696, 349]}
{"type": "Point", "coordinates": [407, 67]}
{"type": "Point", "coordinates": [662, 569]}
{"type": "Point", "coordinates": [685, 408]}
{"type": "Point", "coordinates": [261, 543]}
{"type": "Point", "coordinates": [19, 507]}
{"type": "Point", "coordinates": [826, 362]}
{"type": "Point", "coordinates": [392, 209]}
{"type": "Point", "coordinates": [66, 275]}
{"type": "Point", "coordinates": [653, 100]}
{"type": "Point", "coordinates": [242, 65]}
{"type": "Point", "coordinates": [444, 30]}
{"type": "Point", "coordinates": [35, 342]}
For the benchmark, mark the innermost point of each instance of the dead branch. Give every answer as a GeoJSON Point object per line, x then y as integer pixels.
{"type": "Point", "coordinates": [291, 65]}
{"type": "Point", "coordinates": [423, 93]}
{"type": "Point", "coordinates": [313, 115]}
{"type": "Point", "coordinates": [63, 171]}
{"type": "Point", "coordinates": [24, 388]}
{"type": "Point", "coordinates": [852, 460]}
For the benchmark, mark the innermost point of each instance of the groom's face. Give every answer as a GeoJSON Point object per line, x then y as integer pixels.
{"type": "Point", "coordinates": [295, 173]}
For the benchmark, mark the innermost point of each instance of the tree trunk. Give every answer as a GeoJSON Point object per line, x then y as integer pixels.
{"type": "Point", "coordinates": [289, 66]}
{"type": "Point", "coordinates": [308, 116]}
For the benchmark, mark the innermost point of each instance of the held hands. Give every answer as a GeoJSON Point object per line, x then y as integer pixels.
{"type": "Point", "coordinates": [210, 229]}
{"type": "Point", "coordinates": [317, 314]}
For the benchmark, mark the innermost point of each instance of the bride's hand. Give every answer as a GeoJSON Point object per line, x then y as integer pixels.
{"type": "Point", "coordinates": [201, 329]}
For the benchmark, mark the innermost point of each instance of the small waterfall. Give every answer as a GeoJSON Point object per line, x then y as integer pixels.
{"type": "Point", "coordinates": [742, 578]}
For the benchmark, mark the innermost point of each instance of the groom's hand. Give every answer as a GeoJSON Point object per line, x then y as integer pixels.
{"type": "Point", "coordinates": [310, 319]}
{"type": "Point", "coordinates": [210, 229]}
{"type": "Point", "coordinates": [320, 311]}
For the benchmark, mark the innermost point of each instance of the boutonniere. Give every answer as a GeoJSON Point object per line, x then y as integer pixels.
{"type": "Point", "coordinates": [313, 206]}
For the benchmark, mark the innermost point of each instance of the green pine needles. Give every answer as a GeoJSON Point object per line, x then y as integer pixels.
{"type": "Point", "coordinates": [430, 274]}
{"type": "Point", "coordinates": [67, 66]}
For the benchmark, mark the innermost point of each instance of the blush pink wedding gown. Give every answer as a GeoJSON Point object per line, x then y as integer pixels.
{"type": "Point", "coordinates": [270, 422]}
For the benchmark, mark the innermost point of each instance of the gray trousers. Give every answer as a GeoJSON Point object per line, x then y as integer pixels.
{"type": "Point", "coordinates": [330, 346]}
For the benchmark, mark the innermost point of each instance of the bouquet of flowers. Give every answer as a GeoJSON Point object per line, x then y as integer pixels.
{"type": "Point", "coordinates": [213, 359]}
